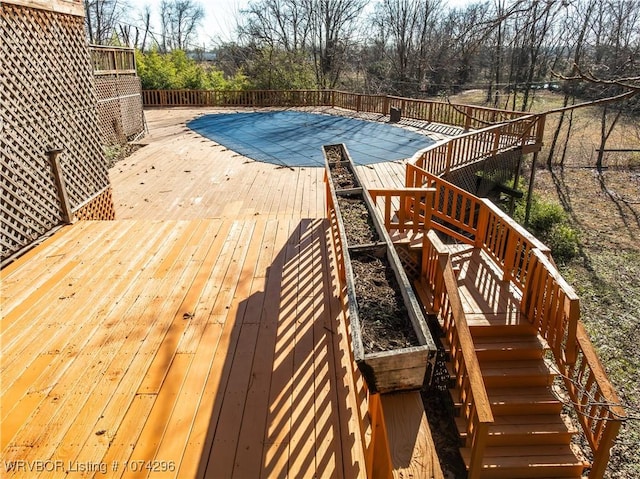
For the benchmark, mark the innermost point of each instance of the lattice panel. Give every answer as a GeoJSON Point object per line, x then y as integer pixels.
{"type": "Point", "coordinates": [99, 208]}
{"type": "Point", "coordinates": [479, 178]}
{"type": "Point", "coordinates": [47, 100]}
{"type": "Point", "coordinates": [119, 107]}
{"type": "Point", "coordinates": [110, 121]}
{"type": "Point", "coordinates": [410, 261]}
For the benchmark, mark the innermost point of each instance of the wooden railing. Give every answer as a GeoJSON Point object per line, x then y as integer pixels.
{"type": "Point", "coordinates": [548, 302]}
{"type": "Point", "coordinates": [520, 126]}
{"type": "Point", "coordinates": [112, 60]}
{"type": "Point", "coordinates": [405, 209]}
{"type": "Point", "coordinates": [454, 209]}
{"type": "Point", "coordinates": [476, 407]}
{"type": "Point", "coordinates": [237, 98]}
{"type": "Point", "coordinates": [508, 243]}
{"type": "Point", "coordinates": [464, 116]}
{"type": "Point", "coordinates": [551, 304]}
{"type": "Point", "coordinates": [480, 223]}
{"type": "Point", "coordinates": [594, 398]}
{"type": "Point", "coordinates": [472, 147]}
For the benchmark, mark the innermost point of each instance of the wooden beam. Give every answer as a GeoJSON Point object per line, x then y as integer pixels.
{"type": "Point", "coordinates": [56, 167]}
{"type": "Point", "coordinates": [68, 7]}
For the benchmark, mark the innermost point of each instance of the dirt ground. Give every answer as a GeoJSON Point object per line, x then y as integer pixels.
{"type": "Point", "coordinates": [384, 320]}
{"type": "Point", "coordinates": [358, 225]}
{"type": "Point", "coordinates": [606, 276]}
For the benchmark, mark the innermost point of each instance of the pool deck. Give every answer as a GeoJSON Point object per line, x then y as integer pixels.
{"type": "Point", "coordinates": [201, 334]}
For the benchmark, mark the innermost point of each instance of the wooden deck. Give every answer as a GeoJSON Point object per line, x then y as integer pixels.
{"type": "Point", "coordinates": [182, 175]}
{"type": "Point", "coordinates": [215, 348]}
{"type": "Point", "coordinates": [200, 335]}
{"type": "Point", "coordinates": [486, 298]}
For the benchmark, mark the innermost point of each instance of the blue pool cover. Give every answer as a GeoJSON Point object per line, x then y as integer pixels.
{"type": "Point", "coordinates": [294, 138]}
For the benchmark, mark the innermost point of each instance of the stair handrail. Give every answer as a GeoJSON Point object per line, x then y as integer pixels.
{"type": "Point", "coordinates": [476, 407]}
{"type": "Point", "coordinates": [508, 243]}
{"type": "Point", "coordinates": [462, 150]}
{"type": "Point", "coordinates": [478, 222]}
{"type": "Point", "coordinates": [551, 304]}
{"type": "Point", "coordinates": [599, 409]}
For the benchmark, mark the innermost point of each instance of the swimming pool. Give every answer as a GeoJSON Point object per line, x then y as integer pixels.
{"type": "Point", "coordinates": [295, 138]}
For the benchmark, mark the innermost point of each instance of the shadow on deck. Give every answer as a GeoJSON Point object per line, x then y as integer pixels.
{"type": "Point", "coordinates": [212, 348]}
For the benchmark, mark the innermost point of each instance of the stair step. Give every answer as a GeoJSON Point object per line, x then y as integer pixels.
{"type": "Point", "coordinates": [523, 400]}
{"type": "Point", "coordinates": [525, 430]}
{"type": "Point", "coordinates": [511, 374]}
{"type": "Point", "coordinates": [506, 348]}
{"type": "Point", "coordinates": [514, 462]}
{"type": "Point", "coordinates": [526, 400]}
{"type": "Point", "coordinates": [499, 324]}
{"type": "Point", "coordinates": [522, 373]}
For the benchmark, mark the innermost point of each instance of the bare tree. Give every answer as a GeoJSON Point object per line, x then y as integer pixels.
{"type": "Point", "coordinates": [409, 27]}
{"type": "Point", "coordinates": [333, 23]}
{"type": "Point", "coordinates": [576, 37]}
{"type": "Point", "coordinates": [179, 20]}
{"type": "Point", "coordinates": [145, 19]}
{"type": "Point", "coordinates": [278, 23]}
{"type": "Point", "coordinates": [102, 18]}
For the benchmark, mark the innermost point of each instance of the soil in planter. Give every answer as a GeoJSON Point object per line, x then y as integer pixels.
{"type": "Point", "coordinates": [334, 153]}
{"type": "Point", "coordinates": [384, 320]}
{"type": "Point", "coordinates": [342, 177]}
{"type": "Point", "coordinates": [357, 221]}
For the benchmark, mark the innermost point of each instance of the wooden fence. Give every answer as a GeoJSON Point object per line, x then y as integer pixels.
{"type": "Point", "coordinates": [475, 146]}
{"type": "Point", "coordinates": [463, 116]}
{"type": "Point", "coordinates": [112, 60]}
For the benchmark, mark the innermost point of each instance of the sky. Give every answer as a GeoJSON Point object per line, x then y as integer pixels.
{"type": "Point", "coordinates": [220, 18]}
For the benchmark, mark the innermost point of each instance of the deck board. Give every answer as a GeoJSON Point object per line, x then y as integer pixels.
{"type": "Point", "coordinates": [250, 372]}
{"type": "Point", "coordinates": [204, 329]}
{"type": "Point", "coordinates": [486, 297]}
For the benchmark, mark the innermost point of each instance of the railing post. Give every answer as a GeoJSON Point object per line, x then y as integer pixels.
{"type": "Point", "coordinates": [54, 161]}
{"type": "Point", "coordinates": [477, 450]}
{"type": "Point", "coordinates": [601, 456]}
{"type": "Point", "coordinates": [449, 157]}
{"type": "Point", "coordinates": [467, 119]}
{"type": "Point", "coordinates": [540, 129]}
{"type": "Point", "coordinates": [496, 141]}
{"type": "Point", "coordinates": [483, 224]}
{"type": "Point", "coordinates": [509, 255]}
{"type": "Point", "coordinates": [571, 346]}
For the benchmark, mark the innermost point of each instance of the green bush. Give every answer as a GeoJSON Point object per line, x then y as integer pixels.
{"type": "Point", "coordinates": [176, 71]}
{"type": "Point", "coordinates": [564, 242]}
{"type": "Point", "coordinates": [550, 224]}
{"type": "Point", "coordinates": [545, 216]}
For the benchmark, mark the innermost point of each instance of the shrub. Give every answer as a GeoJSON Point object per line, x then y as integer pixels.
{"type": "Point", "coordinates": [549, 222]}
{"type": "Point", "coordinates": [177, 71]}
{"type": "Point", "coordinates": [564, 242]}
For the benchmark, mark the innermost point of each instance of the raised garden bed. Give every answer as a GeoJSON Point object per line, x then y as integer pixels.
{"type": "Point", "coordinates": [340, 168]}
{"type": "Point", "coordinates": [390, 338]}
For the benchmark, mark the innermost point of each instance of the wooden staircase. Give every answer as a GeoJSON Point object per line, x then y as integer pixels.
{"type": "Point", "coordinates": [529, 437]}
{"type": "Point", "coordinates": [510, 322]}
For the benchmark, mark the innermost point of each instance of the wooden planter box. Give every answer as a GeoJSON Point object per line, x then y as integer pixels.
{"type": "Point", "coordinates": [398, 369]}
